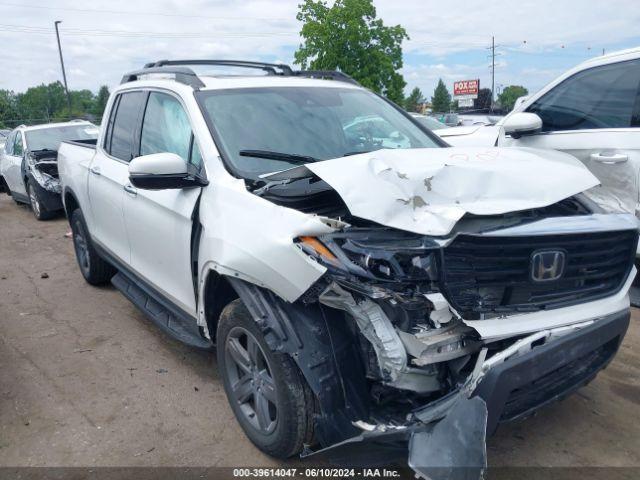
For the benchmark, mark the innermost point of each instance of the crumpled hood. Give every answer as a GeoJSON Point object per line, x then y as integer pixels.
{"type": "Point", "coordinates": [461, 130]}
{"type": "Point", "coordinates": [428, 190]}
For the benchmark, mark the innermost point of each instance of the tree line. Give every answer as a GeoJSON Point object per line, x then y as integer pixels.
{"type": "Point", "coordinates": [442, 102]}
{"type": "Point", "coordinates": [48, 103]}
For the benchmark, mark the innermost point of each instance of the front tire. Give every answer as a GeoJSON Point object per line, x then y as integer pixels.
{"type": "Point", "coordinates": [267, 393]}
{"type": "Point", "coordinates": [94, 268]}
{"type": "Point", "coordinates": [36, 204]}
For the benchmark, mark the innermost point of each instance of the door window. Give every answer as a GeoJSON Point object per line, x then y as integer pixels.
{"type": "Point", "coordinates": [8, 146]}
{"type": "Point", "coordinates": [17, 146]}
{"type": "Point", "coordinates": [601, 97]}
{"type": "Point", "coordinates": [112, 117]}
{"type": "Point", "coordinates": [125, 125]}
{"type": "Point", "coordinates": [166, 128]}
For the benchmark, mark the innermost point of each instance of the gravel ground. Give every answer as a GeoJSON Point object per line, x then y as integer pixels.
{"type": "Point", "coordinates": [86, 380]}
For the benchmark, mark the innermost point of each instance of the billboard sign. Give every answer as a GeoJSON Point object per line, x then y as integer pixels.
{"type": "Point", "coordinates": [466, 89]}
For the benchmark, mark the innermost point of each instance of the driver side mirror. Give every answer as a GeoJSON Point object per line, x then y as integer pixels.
{"type": "Point", "coordinates": [522, 123]}
{"type": "Point", "coordinates": [161, 171]}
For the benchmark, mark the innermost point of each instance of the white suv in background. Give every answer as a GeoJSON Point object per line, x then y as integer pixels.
{"type": "Point", "coordinates": [29, 166]}
{"type": "Point", "coordinates": [592, 112]}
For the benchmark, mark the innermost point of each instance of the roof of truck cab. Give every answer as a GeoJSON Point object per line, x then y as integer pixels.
{"type": "Point", "coordinates": [43, 126]}
{"type": "Point", "coordinates": [257, 81]}
{"type": "Point", "coordinates": [223, 82]}
{"type": "Point", "coordinates": [627, 54]}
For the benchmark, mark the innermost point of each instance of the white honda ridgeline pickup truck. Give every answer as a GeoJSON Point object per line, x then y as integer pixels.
{"type": "Point", "coordinates": [358, 295]}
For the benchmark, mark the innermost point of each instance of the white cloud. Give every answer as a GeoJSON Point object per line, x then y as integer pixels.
{"type": "Point", "coordinates": [268, 30]}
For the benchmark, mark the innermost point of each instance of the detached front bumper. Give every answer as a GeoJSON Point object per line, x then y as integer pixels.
{"type": "Point", "coordinates": [447, 438]}
{"type": "Point", "coordinates": [550, 372]}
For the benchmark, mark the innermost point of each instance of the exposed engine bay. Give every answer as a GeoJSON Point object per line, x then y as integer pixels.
{"type": "Point", "coordinates": [42, 166]}
{"type": "Point", "coordinates": [409, 302]}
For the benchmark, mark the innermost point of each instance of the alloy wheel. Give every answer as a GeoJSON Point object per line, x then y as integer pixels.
{"type": "Point", "coordinates": [35, 204]}
{"type": "Point", "coordinates": [82, 248]}
{"type": "Point", "coordinates": [251, 381]}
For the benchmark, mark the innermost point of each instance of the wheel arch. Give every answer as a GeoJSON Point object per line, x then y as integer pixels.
{"type": "Point", "coordinates": [321, 344]}
{"type": "Point", "coordinates": [217, 294]}
{"type": "Point", "coordinates": [3, 186]}
{"type": "Point", "coordinates": [70, 202]}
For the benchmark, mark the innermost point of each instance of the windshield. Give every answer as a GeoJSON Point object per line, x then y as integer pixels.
{"type": "Point", "coordinates": [315, 122]}
{"type": "Point", "coordinates": [50, 138]}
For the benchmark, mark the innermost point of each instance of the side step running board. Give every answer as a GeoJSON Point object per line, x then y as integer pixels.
{"type": "Point", "coordinates": [179, 327]}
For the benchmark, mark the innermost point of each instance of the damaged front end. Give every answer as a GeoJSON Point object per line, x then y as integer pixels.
{"type": "Point", "coordinates": [387, 337]}
{"type": "Point", "coordinates": [427, 322]}
{"type": "Point", "coordinates": [42, 167]}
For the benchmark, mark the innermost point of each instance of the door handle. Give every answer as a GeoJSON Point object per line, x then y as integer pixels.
{"type": "Point", "coordinates": [130, 190]}
{"type": "Point", "coordinates": [609, 158]}
{"type": "Point", "coordinates": [95, 170]}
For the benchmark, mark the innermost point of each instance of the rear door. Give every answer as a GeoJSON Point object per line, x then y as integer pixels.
{"type": "Point", "coordinates": [595, 116]}
{"type": "Point", "coordinates": [159, 222]}
{"type": "Point", "coordinates": [109, 174]}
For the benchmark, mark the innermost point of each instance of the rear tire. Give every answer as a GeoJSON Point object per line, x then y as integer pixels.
{"type": "Point", "coordinates": [266, 391]}
{"type": "Point", "coordinates": [36, 205]}
{"type": "Point", "coordinates": [93, 267]}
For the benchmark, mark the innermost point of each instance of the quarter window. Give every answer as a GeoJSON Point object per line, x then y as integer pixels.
{"type": "Point", "coordinates": [166, 128]}
{"type": "Point", "coordinates": [125, 125]}
{"type": "Point", "coordinates": [601, 97]}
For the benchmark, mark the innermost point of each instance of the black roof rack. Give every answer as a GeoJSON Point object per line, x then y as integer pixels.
{"type": "Point", "coordinates": [271, 68]}
{"type": "Point", "coordinates": [182, 75]}
{"type": "Point", "coordinates": [329, 74]}
{"type": "Point", "coordinates": [189, 77]}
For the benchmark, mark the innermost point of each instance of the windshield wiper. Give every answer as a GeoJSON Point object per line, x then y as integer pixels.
{"type": "Point", "coordinates": [285, 157]}
{"type": "Point", "coordinates": [348, 154]}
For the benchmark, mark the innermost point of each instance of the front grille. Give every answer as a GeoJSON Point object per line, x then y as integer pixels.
{"type": "Point", "coordinates": [557, 383]}
{"type": "Point", "coordinates": [492, 275]}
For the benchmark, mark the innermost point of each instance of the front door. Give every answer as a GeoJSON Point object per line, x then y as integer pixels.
{"type": "Point", "coordinates": [595, 116]}
{"type": "Point", "coordinates": [159, 222]}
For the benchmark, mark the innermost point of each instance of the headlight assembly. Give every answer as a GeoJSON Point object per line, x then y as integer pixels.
{"type": "Point", "coordinates": [379, 260]}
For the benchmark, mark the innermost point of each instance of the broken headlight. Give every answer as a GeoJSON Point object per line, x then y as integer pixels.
{"type": "Point", "coordinates": [375, 259]}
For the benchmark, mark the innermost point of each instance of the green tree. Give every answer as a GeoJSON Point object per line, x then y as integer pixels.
{"type": "Point", "coordinates": [441, 100]}
{"type": "Point", "coordinates": [484, 99]}
{"type": "Point", "coordinates": [42, 104]}
{"type": "Point", "coordinates": [509, 96]}
{"type": "Point", "coordinates": [414, 100]}
{"type": "Point", "coordinates": [101, 101]}
{"type": "Point", "coordinates": [348, 37]}
{"type": "Point", "coordinates": [8, 112]}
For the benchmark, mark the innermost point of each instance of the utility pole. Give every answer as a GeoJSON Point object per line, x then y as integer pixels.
{"type": "Point", "coordinates": [64, 74]}
{"type": "Point", "coordinates": [493, 68]}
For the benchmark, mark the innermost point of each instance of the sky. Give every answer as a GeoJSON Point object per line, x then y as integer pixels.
{"type": "Point", "coordinates": [536, 40]}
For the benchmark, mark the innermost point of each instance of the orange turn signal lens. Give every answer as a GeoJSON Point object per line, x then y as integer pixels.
{"type": "Point", "coordinates": [319, 248]}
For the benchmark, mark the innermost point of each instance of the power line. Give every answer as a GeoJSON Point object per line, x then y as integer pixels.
{"type": "Point", "coordinates": [129, 12]}
{"type": "Point", "coordinates": [27, 29]}
{"type": "Point", "coordinates": [64, 73]}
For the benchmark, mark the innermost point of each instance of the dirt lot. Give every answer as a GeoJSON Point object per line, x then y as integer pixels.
{"type": "Point", "coordinates": [86, 380]}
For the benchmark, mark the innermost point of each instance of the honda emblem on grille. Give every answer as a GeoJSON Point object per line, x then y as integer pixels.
{"type": "Point", "coordinates": [547, 265]}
